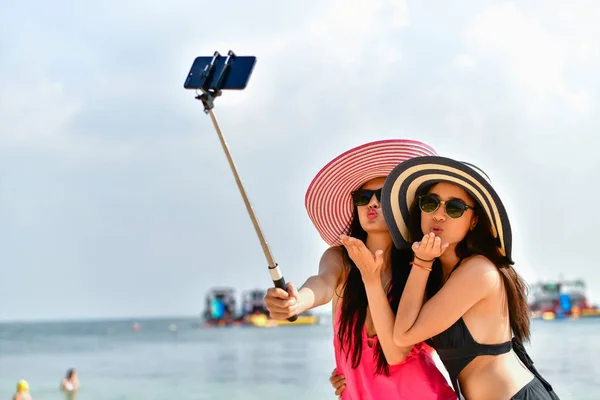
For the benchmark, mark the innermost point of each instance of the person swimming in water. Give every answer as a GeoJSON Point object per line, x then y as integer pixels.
{"type": "Point", "coordinates": [70, 384]}
{"type": "Point", "coordinates": [22, 391]}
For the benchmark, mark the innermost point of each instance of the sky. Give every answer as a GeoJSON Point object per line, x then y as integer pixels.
{"type": "Point", "coordinates": [116, 199]}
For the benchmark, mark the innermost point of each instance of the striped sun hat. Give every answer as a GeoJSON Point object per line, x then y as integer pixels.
{"type": "Point", "coordinates": [405, 180]}
{"type": "Point", "coordinates": [328, 199]}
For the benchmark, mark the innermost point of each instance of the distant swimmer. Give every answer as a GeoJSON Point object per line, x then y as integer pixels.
{"type": "Point", "coordinates": [22, 391]}
{"type": "Point", "coordinates": [71, 382]}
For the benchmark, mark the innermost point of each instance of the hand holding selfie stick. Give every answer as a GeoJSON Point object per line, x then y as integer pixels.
{"type": "Point", "coordinates": [212, 75]}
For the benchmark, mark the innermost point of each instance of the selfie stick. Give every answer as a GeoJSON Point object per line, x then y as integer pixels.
{"type": "Point", "coordinates": [209, 93]}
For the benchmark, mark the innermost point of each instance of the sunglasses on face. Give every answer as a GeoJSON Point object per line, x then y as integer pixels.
{"type": "Point", "coordinates": [362, 197]}
{"type": "Point", "coordinates": [455, 208]}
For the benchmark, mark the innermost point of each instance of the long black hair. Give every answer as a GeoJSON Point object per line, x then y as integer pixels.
{"type": "Point", "coordinates": [480, 241]}
{"type": "Point", "coordinates": [354, 299]}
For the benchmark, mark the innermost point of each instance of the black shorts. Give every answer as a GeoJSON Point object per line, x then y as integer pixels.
{"type": "Point", "coordinates": [535, 390]}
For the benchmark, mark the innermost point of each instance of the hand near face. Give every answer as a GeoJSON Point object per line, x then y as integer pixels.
{"type": "Point", "coordinates": [368, 264]}
{"type": "Point", "coordinates": [429, 248]}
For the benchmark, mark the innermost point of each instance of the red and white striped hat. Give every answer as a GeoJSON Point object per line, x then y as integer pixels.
{"type": "Point", "coordinates": [328, 199]}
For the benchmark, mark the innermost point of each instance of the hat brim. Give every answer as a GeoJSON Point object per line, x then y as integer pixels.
{"type": "Point", "coordinates": [328, 199]}
{"type": "Point", "coordinates": [407, 178]}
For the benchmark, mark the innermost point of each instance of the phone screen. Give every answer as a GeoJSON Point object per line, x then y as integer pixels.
{"type": "Point", "coordinates": [236, 77]}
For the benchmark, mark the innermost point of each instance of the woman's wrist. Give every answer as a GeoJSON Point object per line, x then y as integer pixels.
{"type": "Point", "coordinates": [372, 280]}
{"type": "Point", "coordinates": [422, 260]}
{"type": "Point", "coordinates": [425, 266]}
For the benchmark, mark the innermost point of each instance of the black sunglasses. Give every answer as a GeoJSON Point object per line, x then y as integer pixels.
{"type": "Point", "coordinates": [455, 208]}
{"type": "Point", "coordinates": [362, 197]}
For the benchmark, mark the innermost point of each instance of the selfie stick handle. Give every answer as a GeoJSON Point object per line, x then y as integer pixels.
{"type": "Point", "coordinates": [207, 98]}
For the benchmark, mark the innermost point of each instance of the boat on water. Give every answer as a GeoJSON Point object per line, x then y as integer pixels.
{"type": "Point", "coordinates": [561, 299]}
{"type": "Point", "coordinates": [254, 310]}
{"type": "Point", "coordinates": [220, 310]}
{"type": "Point", "coordinates": [256, 314]}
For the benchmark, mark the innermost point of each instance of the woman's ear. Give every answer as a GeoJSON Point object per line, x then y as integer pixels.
{"type": "Point", "coordinates": [474, 221]}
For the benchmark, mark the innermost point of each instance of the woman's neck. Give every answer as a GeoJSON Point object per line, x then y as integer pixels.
{"type": "Point", "coordinates": [380, 241]}
{"type": "Point", "coordinates": [449, 260]}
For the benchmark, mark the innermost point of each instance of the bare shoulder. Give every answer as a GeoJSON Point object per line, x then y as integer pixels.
{"type": "Point", "coordinates": [333, 251]}
{"type": "Point", "coordinates": [332, 261]}
{"type": "Point", "coordinates": [333, 256]}
{"type": "Point", "coordinates": [479, 269]}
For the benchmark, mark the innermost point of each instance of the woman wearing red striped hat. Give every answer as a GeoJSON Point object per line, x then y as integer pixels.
{"type": "Point", "coordinates": [343, 202]}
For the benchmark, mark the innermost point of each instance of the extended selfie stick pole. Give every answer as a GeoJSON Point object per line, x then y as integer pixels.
{"type": "Point", "coordinates": [207, 97]}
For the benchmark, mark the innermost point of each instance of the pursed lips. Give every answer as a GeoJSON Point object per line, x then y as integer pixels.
{"type": "Point", "coordinates": [436, 229]}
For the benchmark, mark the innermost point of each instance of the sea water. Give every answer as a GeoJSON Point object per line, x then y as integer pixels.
{"type": "Point", "coordinates": [176, 359]}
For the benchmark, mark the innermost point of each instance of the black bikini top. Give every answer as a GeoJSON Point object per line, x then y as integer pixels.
{"type": "Point", "coordinates": [457, 348]}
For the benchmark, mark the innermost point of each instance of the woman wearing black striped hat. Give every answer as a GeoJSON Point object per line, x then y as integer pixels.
{"type": "Point", "coordinates": [463, 295]}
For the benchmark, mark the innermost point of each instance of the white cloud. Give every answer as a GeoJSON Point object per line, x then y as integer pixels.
{"type": "Point", "coordinates": [536, 57]}
{"type": "Point", "coordinates": [400, 14]}
{"type": "Point", "coordinates": [345, 30]}
{"type": "Point", "coordinates": [464, 61]}
{"type": "Point", "coordinates": [579, 102]}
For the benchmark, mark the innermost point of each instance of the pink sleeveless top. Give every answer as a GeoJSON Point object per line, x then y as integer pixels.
{"type": "Point", "coordinates": [417, 377]}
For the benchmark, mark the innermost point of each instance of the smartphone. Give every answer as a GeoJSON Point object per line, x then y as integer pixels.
{"type": "Point", "coordinates": [235, 77]}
